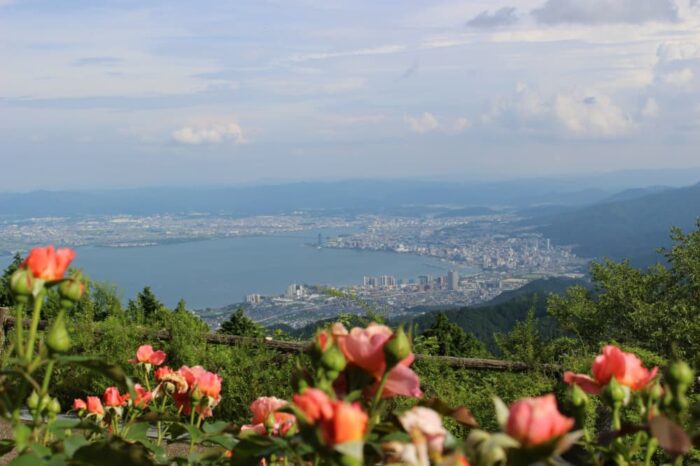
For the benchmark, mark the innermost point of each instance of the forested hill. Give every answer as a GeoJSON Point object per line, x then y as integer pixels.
{"type": "Point", "coordinates": [501, 313]}
{"type": "Point", "coordinates": [626, 229]}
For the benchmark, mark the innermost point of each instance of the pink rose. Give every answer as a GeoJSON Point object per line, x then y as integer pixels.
{"type": "Point", "coordinates": [365, 349]}
{"type": "Point", "coordinates": [264, 411]}
{"type": "Point", "coordinates": [428, 424]}
{"type": "Point", "coordinates": [146, 355]}
{"type": "Point", "coordinates": [143, 396]}
{"type": "Point", "coordinates": [533, 421]}
{"type": "Point", "coordinates": [79, 405]}
{"type": "Point", "coordinates": [94, 405]}
{"type": "Point", "coordinates": [625, 367]}
{"type": "Point", "coordinates": [112, 397]}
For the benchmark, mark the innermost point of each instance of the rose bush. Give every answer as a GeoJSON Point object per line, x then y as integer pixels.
{"type": "Point", "coordinates": [344, 410]}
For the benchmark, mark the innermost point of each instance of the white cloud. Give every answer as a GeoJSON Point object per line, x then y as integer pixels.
{"type": "Point", "coordinates": [678, 78]}
{"type": "Point", "coordinates": [422, 124]}
{"type": "Point", "coordinates": [580, 115]}
{"type": "Point", "coordinates": [210, 134]}
{"type": "Point", "coordinates": [591, 116]}
{"type": "Point", "coordinates": [462, 124]}
{"type": "Point", "coordinates": [651, 108]}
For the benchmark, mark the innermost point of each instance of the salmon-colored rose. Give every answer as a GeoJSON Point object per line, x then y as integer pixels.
{"type": "Point", "coordinates": [533, 421]}
{"type": "Point", "coordinates": [143, 396]}
{"type": "Point", "coordinates": [94, 405]}
{"type": "Point", "coordinates": [162, 372]}
{"type": "Point", "coordinates": [348, 423]}
{"type": "Point", "coordinates": [146, 355]}
{"type": "Point", "coordinates": [315, 405]}
{"type": "Point", "coordinates": [191, 374]}
{"type": "Point", "coordinates": [79, 405]}
{"type": "Point", "coordinates": [266, 420]}
{"type": "Point", "coordinates": [626, 368]}
{"type": "Point", "coordinates": [112, 398]}
{"type": "Point", "coordinates": [209, 384]}
{"type": "Point", "coordinates": [47, 263]}
{"type": "Point", "coordinates": [264, 406]}
{"type": "Point", "coordinates": [364, 347]}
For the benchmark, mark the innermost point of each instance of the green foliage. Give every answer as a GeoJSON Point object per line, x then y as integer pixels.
{"type": "Point", "coordinates": [6, 299]}
{"type": "Point", "coordinates": [241, 325]}
{"type": "Point", "coordinates": [656, 309]}
{"type": "Point", "coordinates": [451, 340]}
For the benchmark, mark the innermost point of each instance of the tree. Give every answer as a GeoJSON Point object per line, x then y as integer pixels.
{"type": "Point", "coordinates": [523, 342]}
{"type": "Point", "coordinates": [657, 309]}
{"type": "Point", "coordinates": [241, 325]}
{"type": "Point", "coordinates": [6, 298]}
{"type": "Point", "coordinates": [451, 340]}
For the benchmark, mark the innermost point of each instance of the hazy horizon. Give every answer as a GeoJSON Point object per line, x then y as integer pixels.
{"type": "Point", "coordinates": [613, 179]}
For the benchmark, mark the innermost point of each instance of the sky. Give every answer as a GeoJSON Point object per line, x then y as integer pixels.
{"type": "Point", "coordinates": [121, 93]}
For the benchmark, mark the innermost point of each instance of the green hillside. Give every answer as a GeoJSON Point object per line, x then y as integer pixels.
{"type": "Point", "coordinates": [629, 229]}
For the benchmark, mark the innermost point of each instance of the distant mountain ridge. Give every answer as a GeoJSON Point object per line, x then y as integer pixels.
{"type": "Point", "coordinates": [624, 229]}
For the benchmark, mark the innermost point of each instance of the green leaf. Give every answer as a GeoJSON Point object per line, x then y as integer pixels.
{"type": "Point", "coordinates": [6, 446]}
{"type": "Point", "coordinates": [351, 449]}
{"type": "Point", "coordinates": [215, 427]}
{"type": "Point", "coordinates": [502, 412]}
{"type": "Point", "coordinates": [113, 452]}
{"type": "Point", "coordinates": [62, 424]}
{"type": "Point", "coordinates": [194, 432]}
{"type": "Point", "coordinates": [226, 441]}
{"type": "Point", "coordinates": [138, 431]}
{"type": "Point", "coordinates": [28, 459]}
{"type": "Point", "coordinates": [251, 449]}
{"type": "Point", "coordinates": [22, 436]}
{"type": "Point", "coordinates": [73, 443]}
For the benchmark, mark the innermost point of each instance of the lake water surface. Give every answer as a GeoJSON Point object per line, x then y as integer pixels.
{"type": "Point", "coordinates": [217, 272]}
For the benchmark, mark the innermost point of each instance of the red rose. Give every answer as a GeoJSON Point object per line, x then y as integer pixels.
{"type": "Point", "coordinates": [49, 264]}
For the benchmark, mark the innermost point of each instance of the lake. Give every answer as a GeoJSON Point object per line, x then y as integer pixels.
{"type": "Point", "coordinates": [213, 273]}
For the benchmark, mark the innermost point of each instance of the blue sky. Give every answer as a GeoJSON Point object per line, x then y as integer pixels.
{"type": "Point", "coordinates": [133, 93]}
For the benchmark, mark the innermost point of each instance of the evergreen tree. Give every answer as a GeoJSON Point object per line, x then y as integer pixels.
{"type": "Point", "coordinates": [451, 340]}
{"type": "Point", "coordinates": [523, 342]}
{"type": "Point", "coordinates": [241, 325]}
{"type": "Point", "coordinates": [6, 298]}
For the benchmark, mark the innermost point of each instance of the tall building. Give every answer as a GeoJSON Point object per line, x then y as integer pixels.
{"type": "Point", "coordinates": [452, 280]}
{"type": "Point", "coordinates": [370, 282]}
{"type": "Point", "coordinates": [295, 291]}
{"type": "Point", "coordinates": [253, 299]}
{"type": "Point", "coordinates": [387, 280]}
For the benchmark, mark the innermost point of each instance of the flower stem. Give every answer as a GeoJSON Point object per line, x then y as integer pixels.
{"type": "Point", "coordinates": [19, 320]}
{"type": "Point", "coordinates": [651, 448]}
{"type": "Point", "coordinates": [376, 400]}
{"type": "Point", "coordinates": [617, 424]}
{"type": "Point", "coordinates": [47, 377]}
{"type": "Point", "coordinates": [38, 302]}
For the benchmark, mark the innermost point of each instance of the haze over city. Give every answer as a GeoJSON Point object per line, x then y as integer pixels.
{"type": "Point", "coordinates": [130, 93]}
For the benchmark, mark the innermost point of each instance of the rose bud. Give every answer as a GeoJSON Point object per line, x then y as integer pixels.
{"type": "Point", "coordinates": [22, 284]}
{"type": "Point", "coordinates": [57, 338]}
{"type": "Point", "coordinates": [397, 348]}
{"type": "Point", "coordinates": [71, 290]}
